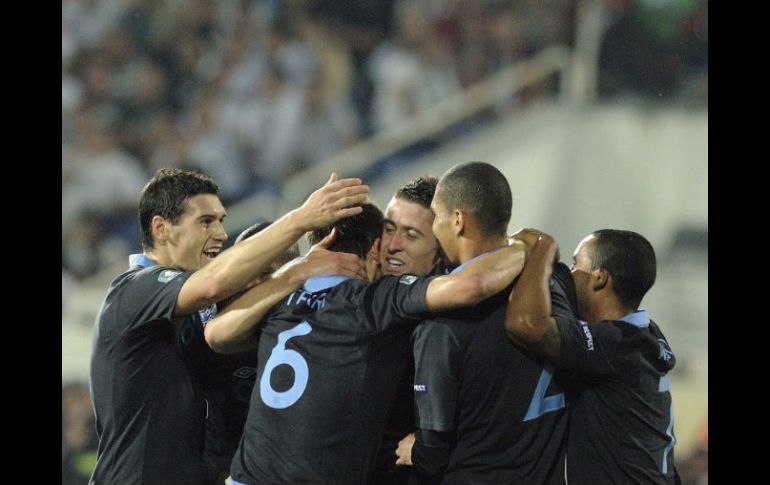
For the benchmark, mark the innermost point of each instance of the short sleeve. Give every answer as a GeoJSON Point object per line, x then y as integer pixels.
{"type": "Point", "coordinates": [562, 289]}
{"type": "Point", "coordinates": [150, 294]}
{"type": "Point", "coordinates": [588, 348]}
{"type": "Point", "coordinates": [394, 301]}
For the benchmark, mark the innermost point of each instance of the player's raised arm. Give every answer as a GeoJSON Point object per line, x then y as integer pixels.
{"type": "Point", "coordinates": [232, 270]}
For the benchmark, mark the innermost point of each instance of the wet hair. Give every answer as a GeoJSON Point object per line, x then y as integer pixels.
{"type": "Point", "coordinates": [419, 191]}
{"type": "Point", "coordinates": [166, 195]}
{"type": "Point", "coordinates": [481, 190]}
{"type": "Point", "coordinates": [629, 258]}
{"type": "Point", "coordinates": [355, 234]}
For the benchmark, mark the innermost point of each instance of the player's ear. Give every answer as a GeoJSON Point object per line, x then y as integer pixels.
{"type": "Point", "coordinates": [374, 252]}
{"type": "Point", "coordinates": [459, 220]}
{"type": "Point", "coordinates": [372, 263]}
{"type": "Point", "coordinates": [600, 278]}
{"type": "Point", "coordinates": [160, 229]}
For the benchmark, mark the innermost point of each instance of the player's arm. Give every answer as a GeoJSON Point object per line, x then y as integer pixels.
{"type": "Point", "coordinates": [482, 278]}
{"type": "Point", "coordinates": [234, 268]}
{"type": "Point", "coordinates": [234, 329]}
{"type": "Point", "coordinates": [528, 318]}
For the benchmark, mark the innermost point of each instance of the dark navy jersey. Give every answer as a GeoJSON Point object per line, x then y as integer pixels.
{"type": "Point", "coordinates": [401, 422]}
{"type": "Point", "coordinates": [505, 410]}
{"type": "Point", "coordinates": [149, 405]}
{"type": "Point", "coordinates": [228, 380]}
{"type": "Point", "coordinates": [330, 358]}
{"type": "Point", "coordinates": [616, 372]}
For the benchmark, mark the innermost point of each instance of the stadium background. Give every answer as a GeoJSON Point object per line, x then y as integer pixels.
{"type": "Point", "coordinates": [595, 110]}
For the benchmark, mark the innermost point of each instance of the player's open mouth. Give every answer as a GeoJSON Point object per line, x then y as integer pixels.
{"type": "Point", "coordinates": [212, 253]}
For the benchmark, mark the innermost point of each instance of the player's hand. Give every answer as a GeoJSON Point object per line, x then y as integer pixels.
{"type": "Point", "coordinates": [530, 237]}
{"type": "Point", "coordinates": [527, 235]}
{"type": "Point", "coordinates": [319, 260]}
{"type": "Point", "coordinates": [404, 450]}
{"type": "Point", "coordinates": [332, 202]}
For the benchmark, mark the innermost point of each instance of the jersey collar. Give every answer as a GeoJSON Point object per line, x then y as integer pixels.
{"type": "Point", "coordinates": [462, 266]}
{"type": "Point", "coordinates": [324, 281]}
{"type": "Point", "coordinates": [639, 318]}
{"type": "Point", "coordinates": [139, 260]}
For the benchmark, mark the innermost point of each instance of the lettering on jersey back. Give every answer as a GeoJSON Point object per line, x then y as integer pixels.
{"type": "Point", "coordinates": [314, 301]}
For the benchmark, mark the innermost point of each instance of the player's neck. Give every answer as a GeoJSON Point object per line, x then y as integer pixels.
{"type": "Point", "coordinates": [470, 248]}
{"type": "Point", "coordinates": [608, 309]}
{"type": "Point", "coordinates": [159, 257]}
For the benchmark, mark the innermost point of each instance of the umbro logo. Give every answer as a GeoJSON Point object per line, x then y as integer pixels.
{"type": "Point", "coordinates": [245, 372]}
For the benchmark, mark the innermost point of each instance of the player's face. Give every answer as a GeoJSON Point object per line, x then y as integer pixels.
{"type": "Point", "coordinates": [442, 228]}
{"type": "Point", "coordinates": [408, 244]}
{"type": "Point", "coordinates": [198, 236]}
{"type": "Point", "coordinates": [581, 275]}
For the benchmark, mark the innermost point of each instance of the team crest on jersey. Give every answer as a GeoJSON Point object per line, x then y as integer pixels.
{"type": "Point", "coordinates": [207, 314]}
{"type": "Point", "coordinates": [665, 352]}
{"type": "Point", "coordinates": [407, 279]}
{"type": "Point", "coordinates": [167, 275]}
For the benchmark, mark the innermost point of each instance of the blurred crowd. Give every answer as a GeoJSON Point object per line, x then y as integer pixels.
{"type": "Point", "coordinates": [251, 91]}
{"type": "Point", "coordinates": [78, 438]}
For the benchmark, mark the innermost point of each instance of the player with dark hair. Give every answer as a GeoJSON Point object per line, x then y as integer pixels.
{"type": "Point", "coordinates": [326, 372]}
{"type": "Point", "coordinates": [615, 360]}
{"type": "Point", "coordinates": [291, 253]}
{"type": "Point", "coordinates": [487, 412]}
{"type": "Point", "coordinates": [230, 375]}
{"type": "Point", "coordinates": [146, 376]}
{"type": "Point", "coordinates": [407, 246]}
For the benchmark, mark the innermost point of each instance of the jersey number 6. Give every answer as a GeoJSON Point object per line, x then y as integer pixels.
{"type": "Point", "coordinates": [280, 355]}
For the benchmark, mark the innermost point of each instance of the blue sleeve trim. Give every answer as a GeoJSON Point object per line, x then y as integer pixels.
{"type": "Point", "coordinates": [672, 440]}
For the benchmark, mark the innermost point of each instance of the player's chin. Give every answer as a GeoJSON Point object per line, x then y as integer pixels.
{"type": "Point", "coordinates": [392, 271]}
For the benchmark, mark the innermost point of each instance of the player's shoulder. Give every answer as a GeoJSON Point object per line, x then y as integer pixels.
{"type": "Point", "coordinates": [408, 279]}
{"type": "Point", "coordinates": [456, 324]}
{"type": "Point", "coordinates": [386, 284]}
{"type": "Point", "coordinates": [140, 281]}
{"type": "Point", "coordinates": [161, 274]}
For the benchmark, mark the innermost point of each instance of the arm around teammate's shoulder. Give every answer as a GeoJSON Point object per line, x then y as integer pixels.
{"type": "Point", "coordinates": [482, 278]}
{"type": "Point", "coordinates": [234, 329]}
{"type": "Point", "coordinates": [528, 319]}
